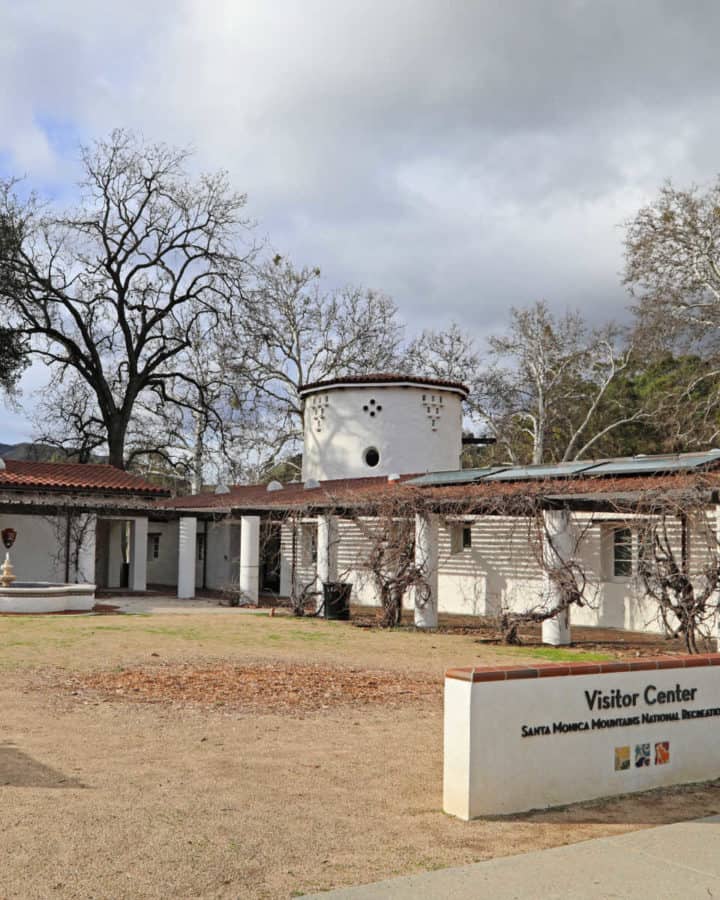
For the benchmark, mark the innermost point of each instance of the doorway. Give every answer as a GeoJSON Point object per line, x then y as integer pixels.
{"type": "Point", "coordinates": [270, 558]}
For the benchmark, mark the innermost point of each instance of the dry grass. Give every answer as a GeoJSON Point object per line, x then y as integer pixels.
{"type": "Point", "coordinates": [105, 796]}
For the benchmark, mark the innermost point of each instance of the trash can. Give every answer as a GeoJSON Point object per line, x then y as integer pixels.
{"type": "Point", "coordinates": [336, 595]}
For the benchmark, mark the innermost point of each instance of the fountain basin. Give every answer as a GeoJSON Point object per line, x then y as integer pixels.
{"type": "Point", "coordinates": [46, 597]}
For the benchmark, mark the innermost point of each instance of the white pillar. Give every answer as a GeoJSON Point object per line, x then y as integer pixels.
{"type": "Point", "coordinates": [558, 548]}
{"type": "Point", "coordinates": [327, 553]}
{"type": "Point", "coordinates": [115, 554]}
{"type": "Point", "coordinates": [187, 551]}
{"type": "Point", "coordinates": [85, 573]}
{"type": "Point", "coordinates": [250, 558]}
{"type": "Point", "coordinates": [426, 557]}
{"type": "Point", "coordinates": [138, 554]}
{"type": "Point", "coordinates": [716, 595]}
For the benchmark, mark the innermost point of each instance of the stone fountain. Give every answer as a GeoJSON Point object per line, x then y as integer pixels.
{"type": "Point", "coordinates": [40, 596]}
{"type": "Point", "coordinates": [6, 572]}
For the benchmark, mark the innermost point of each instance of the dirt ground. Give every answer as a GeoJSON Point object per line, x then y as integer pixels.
{"type": "Point", "coordinates": [192, 787]}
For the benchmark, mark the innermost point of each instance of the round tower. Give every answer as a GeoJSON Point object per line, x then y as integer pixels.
{"type": "Point", "coordinates": [362, 426]}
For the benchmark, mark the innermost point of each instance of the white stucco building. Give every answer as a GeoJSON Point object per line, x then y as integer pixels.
{"type": "Point", "coordinates": [365, 438]}
{"type": "Point", "coordinates": [361, 426]}
{"type": "Point", "coordinates": [77, 523]}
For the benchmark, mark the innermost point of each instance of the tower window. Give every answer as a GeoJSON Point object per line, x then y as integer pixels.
{"type": "Point", "coordinates": [372, 457]}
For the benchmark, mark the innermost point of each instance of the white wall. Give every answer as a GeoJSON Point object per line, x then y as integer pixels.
{"type": "Point", "coordinates": [417, 430]}
{"type": "Point", "coordinates": [39, 550]}
{"type": "Point", "coordinates": [164, 569]}
{"type": "Point", "coordinates": [305, 569]}
{"type": "Point", "coordinates": [500, 570]}
{"type": "Point", "coordinates": [221, 558]}
{"type": "Point", "coordinates": [491, 769]}
{"type": "Point", "coordinates": [223, 553]}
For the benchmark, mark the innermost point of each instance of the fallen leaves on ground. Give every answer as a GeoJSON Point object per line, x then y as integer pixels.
{"type": "Point", "coordinates": [270, 687]}
{"type": "Point", "coordinates": [614, 641]}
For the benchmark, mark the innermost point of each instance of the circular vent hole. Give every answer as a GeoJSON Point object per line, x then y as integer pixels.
{"type": "Point", "coordinates": [372, 457]}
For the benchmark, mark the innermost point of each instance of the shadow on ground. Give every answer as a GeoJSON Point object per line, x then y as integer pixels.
{"type": "Point", "coordinates": [17, 769]}
{"type": "Point", "coordinates": [660, 806]}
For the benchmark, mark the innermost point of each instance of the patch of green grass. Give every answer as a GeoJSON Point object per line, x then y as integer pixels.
{"type": "Point", "coordinates": [555, 654]}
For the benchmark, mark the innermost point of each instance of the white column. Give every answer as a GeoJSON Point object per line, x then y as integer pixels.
{"type": "Point", "coordinates": [327, 552]}
{"type": "Point", "coordinates": [85, 572]}
{"type": "Point", "coordinates": [426, 557]}
{"type": "Point", "coordinates": [558, 548]}
{"type": "Point", "coordinates": [187, 551]}
{"type": "Point", "coordinates": [138, 554]}
{"type": "Point", "coordinates": [250, 558]}
{"type": "Point", "coordinates": [715, 599]}
{"type": "Point", "coordinates": [115, 557]}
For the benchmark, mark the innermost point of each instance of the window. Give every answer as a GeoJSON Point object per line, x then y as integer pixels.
{"type": "Point", "coordinates": [308, 535]}
{"type": "Point", "coordinates": [371, 457]}
{"type": "Point", "coordinates": [460, 538]}
{"type": "Point", "coordinates": [622, 553]}
{"type": "Point", "coordinates": [200, 541]}
{"type": "Point", "coordinates": [153, 545]}
{"type": "Point", "coordinates": [467, 537]}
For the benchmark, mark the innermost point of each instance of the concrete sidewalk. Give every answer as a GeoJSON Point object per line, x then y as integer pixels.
{"type": "Point", "coordinates": [665, 863]}
{"type": "Point", "coordinates": [153, 604]}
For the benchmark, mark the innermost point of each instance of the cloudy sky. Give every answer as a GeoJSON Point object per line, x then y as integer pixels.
{"type": "Point", "coordinates": [462, 155]}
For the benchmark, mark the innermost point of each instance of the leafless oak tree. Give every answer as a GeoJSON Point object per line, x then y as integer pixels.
{"type": "Point", "coordinates": [297, 332]}
{"type": "Point", "coordinates": [113, 291]}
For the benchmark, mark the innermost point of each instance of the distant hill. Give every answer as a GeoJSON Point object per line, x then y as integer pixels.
{"type": "Point", "coordinates": [35, 452]}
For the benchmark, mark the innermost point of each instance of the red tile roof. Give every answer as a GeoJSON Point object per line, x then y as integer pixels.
{"type": "Point", "coordinates": [47, 476]}
{"type": "Point", "coordinates": [384, 378]}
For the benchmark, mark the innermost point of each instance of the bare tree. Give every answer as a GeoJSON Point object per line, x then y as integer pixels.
{"type": "Point", "coordinates": [449, 354]}
{"type": "Point", "coordinates": [66, 417]}
{"type": "Point", "coordinates": [673, 260]}
{"type": "Point", "coordinates": [113, 291]}
{"type": "Point", "coordinates": [546, 380]}
{"type": "Point", "coordinates": [677, 550]}
{"type": "Point", "coordinates": [672, 269]}
{"type": "Point", "coordinates": [191, 422]}
{"type": "Point", "coordinates": [387, 527]}
{"type": "Point", "coordinates": [297, 332]}
{"type": "Point", "coordinates": [566, 584]}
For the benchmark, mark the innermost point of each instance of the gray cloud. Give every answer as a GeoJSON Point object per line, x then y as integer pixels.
{"type": "Point", "coordinates": [463, 157]}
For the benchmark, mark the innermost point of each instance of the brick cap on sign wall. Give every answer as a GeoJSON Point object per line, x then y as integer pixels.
{"type": "Point", "coordinates": [553, 670]}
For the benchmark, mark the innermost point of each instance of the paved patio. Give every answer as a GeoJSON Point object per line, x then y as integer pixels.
{"type": "Point", "coordinates": [150, 603]}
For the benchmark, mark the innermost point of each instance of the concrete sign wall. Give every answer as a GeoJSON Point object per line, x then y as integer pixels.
{"type": "Point", "coordinates": [526, 738]}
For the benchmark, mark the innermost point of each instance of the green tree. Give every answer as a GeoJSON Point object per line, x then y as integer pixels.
{"type": "Point", "coordinates": [13, 359]}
